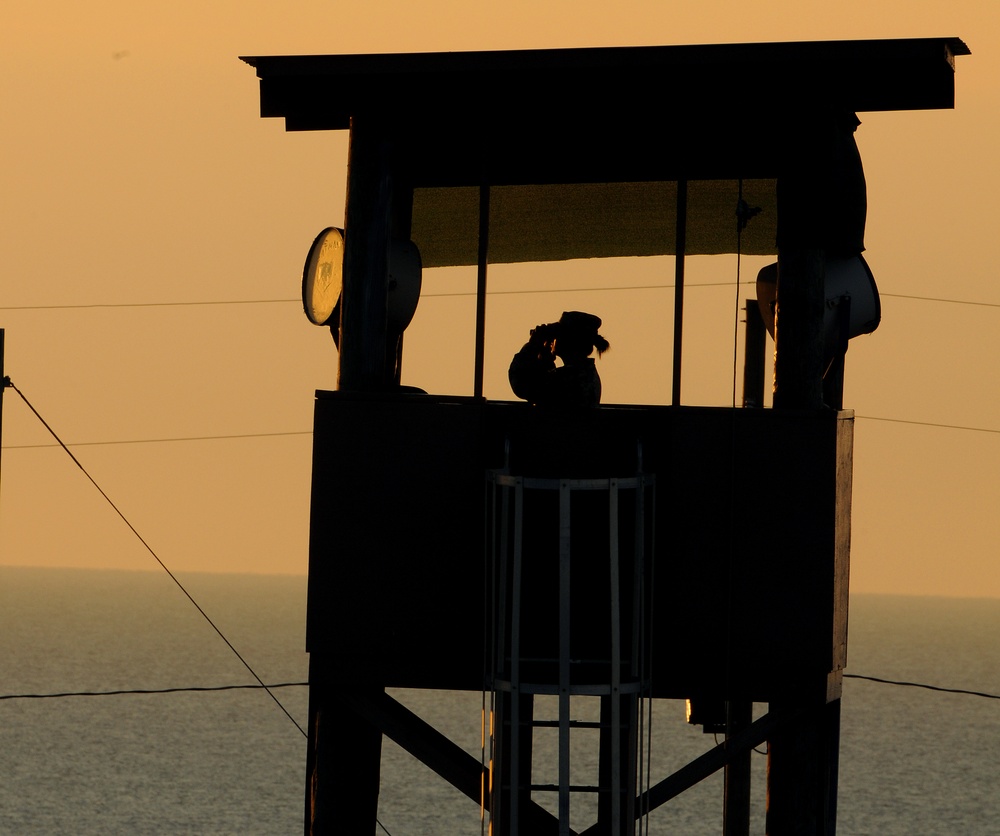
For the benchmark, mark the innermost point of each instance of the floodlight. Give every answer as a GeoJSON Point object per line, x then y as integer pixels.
{"type": "Point", "coordinates": [849, 291]}
{"type": "Point", "coordinates": [323, 276]}
{"type": "Point", "coordinates": [323, 280]}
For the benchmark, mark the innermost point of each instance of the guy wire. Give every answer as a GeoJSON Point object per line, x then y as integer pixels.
{"type": "Point", "coordinates": [7, 382]}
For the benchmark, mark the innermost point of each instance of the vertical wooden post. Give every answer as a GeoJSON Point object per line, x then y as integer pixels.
{"type": "Point", "coordinates": [822, 207]}
{"type": "Point", "coordinates": [680, 246]}
{"type": "Point", "coordinates": [367, 225]}
{"type": "Point", "coordinates": [344, 750]}
{"type": "Point", "coordinates": [483, 256]}
{"type": "Point", "coordinates": [400, 229]}
{"type": "Point", "coordinates": [344, 756]}
{"type": "Point", "coordinates": [798, 329]}
{"type": "Point", "coordinates": [795, 797]}
{"type": "Point", "coordinates": [736, 809]}
{"type": "Point", "coordinates": [510, 812]}
{"type": "Point", "coordinates": [618, 738]}
{"type": "Point", "coordinates": [755, 349]}
{"type": "Point", "coordinates": [802, 766]}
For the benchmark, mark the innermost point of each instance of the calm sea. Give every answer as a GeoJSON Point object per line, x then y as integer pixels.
{"type": "Point", "coordinates": [912, 761]}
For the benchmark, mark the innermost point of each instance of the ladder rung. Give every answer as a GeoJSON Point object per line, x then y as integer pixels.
{"type": "Point", "coordinates": [572, 788]}
{"type": "Point", "coordinates": [605, 661]}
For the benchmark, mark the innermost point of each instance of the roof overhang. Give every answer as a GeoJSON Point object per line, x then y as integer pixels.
{"type": "Point", "coordinates": [583, 148]}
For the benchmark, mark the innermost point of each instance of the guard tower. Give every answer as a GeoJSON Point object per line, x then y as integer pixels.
{"type": "Point", "coordinates": [477, 529]}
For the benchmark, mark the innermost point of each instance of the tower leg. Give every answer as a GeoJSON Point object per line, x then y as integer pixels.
{"type": "Point", "coordinates": [616, 806]}
{"type": "Point", "coordinates": [736, 815]}
{"type": "Point", "coordinates": [344, 761]}
{"type": "Point", "coordinates": [512, 764]}
{"type": "Point", "coordinates": [802, 766]}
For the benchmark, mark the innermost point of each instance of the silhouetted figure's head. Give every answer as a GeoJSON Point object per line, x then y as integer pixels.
{"type": "Point", "coordinates": [576, 336]}
{"type": "Point", "coordinates": [534, 375]}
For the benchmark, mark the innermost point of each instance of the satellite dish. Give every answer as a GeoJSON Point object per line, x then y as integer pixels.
{"type": "Point", "coordinates": [323, 276]}
{"type": "Point", "coordinates": [846, 280]}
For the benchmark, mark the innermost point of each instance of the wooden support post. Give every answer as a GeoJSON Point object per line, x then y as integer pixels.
{"type": "Point", "coordinates": [344, 749]}
{"type": "Point", "coordinates": [822, 207]}
{"type": "Point", "coordinates": [798, 330]}
{"type": "Point", "coordinates": [400, 230]}
{"type": "Point", "coordinates": [344, 755]}
{"type": "Point", "coordinates": [514, 809]}
{"type": "Point", "coordinates": [618, 818]}
{"type": "Point", "coordinates": [680, 246]}
{"type": "Point", "coordinates": [755, 349]}
{"type": "Point", "coordinates": [481, 259]}
{"type": "Point", "coordinates": [802, 766]}
{"type": "Point", "coordinates": [367, 231]}
{"type": "Point", "coordinates": [736, 810]}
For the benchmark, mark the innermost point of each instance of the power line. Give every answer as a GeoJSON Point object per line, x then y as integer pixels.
{"type": "Point", "coordinates": [942, 299]}
{"type": "Point", "coordinates": [214, 688]}
{"type": "Point", "coordinates": [96, 305]}
{"type": "Point", "coordinates": [188, 304]}
{"type": "Point", "coordinates": [580, 289]}
{"type": "Point", "coordinates": [930, 424]}
{"type": "Point", "coordinates": [881, 681]}
{"type": "Point", "coordinates": [144, 691]}
{"type": "Point", "coordinates": [935, 425]}
{"type": "Point", "coordinates": [157, 440]}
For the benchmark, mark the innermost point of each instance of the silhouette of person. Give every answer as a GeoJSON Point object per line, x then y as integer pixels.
{"type": "Point", "coordinates": [534, 375]}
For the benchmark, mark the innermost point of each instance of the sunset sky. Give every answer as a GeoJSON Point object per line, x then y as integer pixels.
{"type": "Point", "coordinates": [139, 185]}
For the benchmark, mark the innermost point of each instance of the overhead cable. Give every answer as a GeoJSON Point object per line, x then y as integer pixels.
{"type": "Point", "coordinates": [250, 687]}
{"type": "Point", "coordinates": [881, 681]}
{"type": "Point", "coordinates": [668, 286]}
{"type": "Point", "coordinates": [933, 424]}
{"type": "Point", "coordinates": [159, 440]}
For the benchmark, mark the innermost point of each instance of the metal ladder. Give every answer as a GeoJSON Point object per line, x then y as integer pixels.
{"type": "Point", "coordinates": [525, 539]}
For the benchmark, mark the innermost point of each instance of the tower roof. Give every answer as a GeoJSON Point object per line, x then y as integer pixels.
{"type": "Point", "coordinates": [583, 147]}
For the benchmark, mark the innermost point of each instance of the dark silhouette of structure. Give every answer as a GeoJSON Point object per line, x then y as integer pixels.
{"type": "Point", "coordinates": [455, 541]}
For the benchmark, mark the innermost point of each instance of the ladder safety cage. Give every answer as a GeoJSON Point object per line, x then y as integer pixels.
{"type": "Point", "coordinates": [571, 588]}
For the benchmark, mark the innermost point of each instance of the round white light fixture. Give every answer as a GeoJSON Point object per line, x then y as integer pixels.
{"type": "Point", "coordinates": [323, 276]}
{"type": "Point", "coordinates": [845, 279]}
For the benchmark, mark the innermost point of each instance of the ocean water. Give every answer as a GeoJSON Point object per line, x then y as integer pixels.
{"type": "Point", "coordinates": [913, 761]}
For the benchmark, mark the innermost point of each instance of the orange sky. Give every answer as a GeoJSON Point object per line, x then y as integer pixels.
{"type": "Point", "coordinates": [136, 170]}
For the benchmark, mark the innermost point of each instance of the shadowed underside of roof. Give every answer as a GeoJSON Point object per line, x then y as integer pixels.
{"type": "Point", "coordinates": [583, 148]}
{"type": "Point", "coordinates": [590, 220]}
